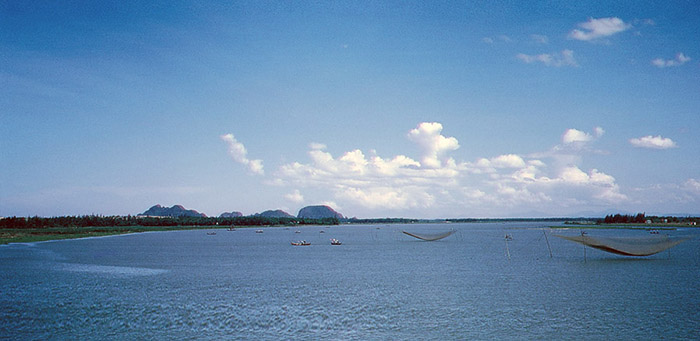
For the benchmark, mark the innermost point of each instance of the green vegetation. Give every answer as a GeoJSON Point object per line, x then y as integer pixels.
{"type": "Point", "coordinates": [641, 218]}
{"type": "Point", "coordinates": [639, 221]}
{"type": "Point", "coordinates": [28, 235]}
{"type": "Point", "coordinates": [32, 229]}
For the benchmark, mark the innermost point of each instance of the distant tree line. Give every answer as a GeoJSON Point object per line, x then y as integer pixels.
{"type": "Point", "coordinates": [641, 218]}
{"type": "Point", "coordinates": [119, 221]}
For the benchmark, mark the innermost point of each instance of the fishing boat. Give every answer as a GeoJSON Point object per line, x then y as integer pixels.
{"type": "Point", "coordinates": [335, 242]}
{"type": "Point", "coordinates": [301, 243]}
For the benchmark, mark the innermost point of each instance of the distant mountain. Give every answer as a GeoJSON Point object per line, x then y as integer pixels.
{"type": "Point", "coordinates": [274, 214]}
{"type": "Point", "coordinates": [231, 214]}
{"type": "Point", "coordinates": [175, 211]}
{"type": "Point", "coordinates": [318, 212]}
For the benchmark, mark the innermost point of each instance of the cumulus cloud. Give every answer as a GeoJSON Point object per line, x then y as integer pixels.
{"type": "Point", "coordinates": [653, 142]}
{"type": "Point", "coordinates": [433, 144]}
{"type": "Point", "coordinates": [239, 154]}
{"type": "Point", "coordinates": [692, 185]}
{"type": "Point", "coordinates": [295, 196]}
{"type": "Point", "coordinates": [678, 61]}
{"type": "Point", "coordinates": [508, 161]}
{"type": "Point", "coordinates": [594, 29]}
{"type": "Point", "coordinates": [564, 58]}
{"type": "Point", "coordinates": [439, 185]}
{"type": "Point", "coordinates": [575, 135]}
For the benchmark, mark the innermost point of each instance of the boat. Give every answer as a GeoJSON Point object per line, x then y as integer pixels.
{"type": "Point", "coordinates": [258, 231]}
{"type": "Point", "coordinates": [211, 233]}
{"type": "Point", "coordinates": [627, 246]}
{"type": "Point", "coordinates": [335, 242]}
{"type": "Point", "coordinates": [301, 243]}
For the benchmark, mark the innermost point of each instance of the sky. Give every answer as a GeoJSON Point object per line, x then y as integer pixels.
{"type": "Point", "coordinates": [375, 108]}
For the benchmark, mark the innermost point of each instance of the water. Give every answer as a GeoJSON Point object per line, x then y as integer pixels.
{"type": "Point", "coordinates": [380, 284]}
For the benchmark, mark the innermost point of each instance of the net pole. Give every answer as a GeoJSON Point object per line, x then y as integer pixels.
{"type": "Point", "coordinates": [548, 247]}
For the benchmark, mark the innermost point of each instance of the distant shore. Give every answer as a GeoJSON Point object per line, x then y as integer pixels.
{"type": "Point", "coordinates": [32, 235]}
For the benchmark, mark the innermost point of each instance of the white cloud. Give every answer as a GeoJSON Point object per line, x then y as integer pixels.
{"type": "Point", "coordinates": [653, 142]}
{"type": "Point", "coordinates": [678, 61]}
{"type": "Point", "coordinates": [594, 29]}
{"type": "Point", "coordinates": [508, 161]}
{"type": "Point", "coordinates": [575, 135]}
{"type": "Point", "coordinates": [692, 185]}
{"type": "Point", "coordinates": [240, 154]}
{"type": "Point", "coordinates": [440, 186]}
{"type": "Point", "coordinates": [317, 146]}
{"type": "Point", "coordinates": [295, 196]}
{"type": "Point", "coordinates": [433, 144]}
{"type": "Point", "coordinates": [386, 197]}
{"type": "Point", "coordinates": [564, 58]}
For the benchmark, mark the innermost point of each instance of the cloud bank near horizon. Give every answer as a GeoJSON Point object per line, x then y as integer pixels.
{"type": "Point", "coordinates": [549, 181]}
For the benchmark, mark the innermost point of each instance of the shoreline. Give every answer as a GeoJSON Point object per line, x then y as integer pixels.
{"type": "Point", "coordinates": [28, 236]}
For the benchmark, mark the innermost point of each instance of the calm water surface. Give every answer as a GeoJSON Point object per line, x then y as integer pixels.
{"type": "Point", "coordinates": [380, 284]}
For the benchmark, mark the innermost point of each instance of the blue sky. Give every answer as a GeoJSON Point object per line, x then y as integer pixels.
{"type": "Point", "coordinates": [401, 109]}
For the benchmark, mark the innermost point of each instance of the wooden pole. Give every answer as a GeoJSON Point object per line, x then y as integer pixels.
{"type": "Point", "coordinates": [583, 234]}
{"type": "Point", "coordinates": [507, 249]}
{"type": "Point", "coordinates": [548, 247]}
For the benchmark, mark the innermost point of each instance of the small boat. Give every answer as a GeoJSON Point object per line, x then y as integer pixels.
{"type": "Point", "coordinates": [335, 242]}
{"type": "Point", "coordinates": [258, 231]}
{"type": "Point", "coordinates": [211, 233]}
{"type": "Point", "coordinates": [297, 231]}
{"type": "Point", "coordinates": [322, 231]}
{"type": "Point", "coordinates": [301, 243]}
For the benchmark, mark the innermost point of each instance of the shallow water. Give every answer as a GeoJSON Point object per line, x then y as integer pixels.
{"type": "Point", "coordinates": [380, 284]}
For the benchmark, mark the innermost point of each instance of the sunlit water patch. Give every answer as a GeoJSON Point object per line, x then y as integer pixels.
{"type": "Point", "coordinates": [110, 270]}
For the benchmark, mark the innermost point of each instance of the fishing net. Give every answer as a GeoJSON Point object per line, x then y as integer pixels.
{"type": "Point", "coordinates": [628, 246]}
{"type": "Point", "coordinates": [429, 237]}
